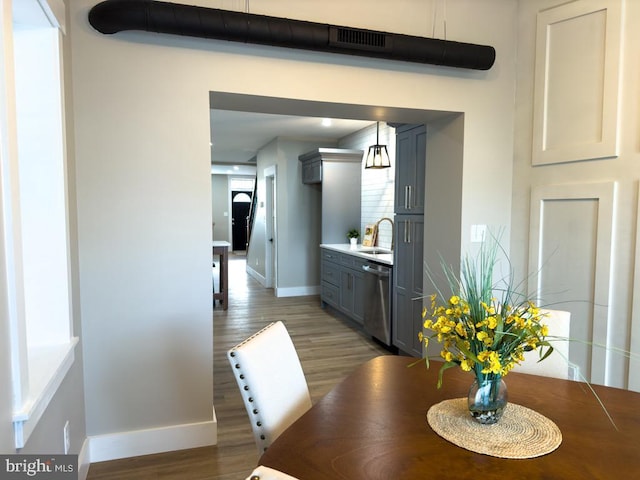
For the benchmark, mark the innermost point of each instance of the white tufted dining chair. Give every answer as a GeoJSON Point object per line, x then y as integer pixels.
{"type": "Point", "coordinates": [271, 382]}
{"type": "Point", "coordinates": [557, 364]}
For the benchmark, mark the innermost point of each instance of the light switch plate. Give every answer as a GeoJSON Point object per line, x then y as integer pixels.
{"type": "Point", "coordinates": [478, 233]}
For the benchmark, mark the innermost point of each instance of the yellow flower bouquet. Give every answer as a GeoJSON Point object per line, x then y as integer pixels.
{"type": "Point", "coordinates": [484, 327]}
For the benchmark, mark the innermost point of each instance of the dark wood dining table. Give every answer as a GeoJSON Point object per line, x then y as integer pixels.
{"type": "Point", "coordinates": [373, 426]}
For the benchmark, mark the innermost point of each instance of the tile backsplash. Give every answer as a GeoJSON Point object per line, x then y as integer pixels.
{"type": "Point", "coordinates": [377, 184]}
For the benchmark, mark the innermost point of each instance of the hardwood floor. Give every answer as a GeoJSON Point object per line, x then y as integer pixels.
{"type": "Point", "coordinates": [328, 349]}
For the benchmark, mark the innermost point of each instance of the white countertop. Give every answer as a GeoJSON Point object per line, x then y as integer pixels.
{"type": "Point", "coordinates": [220, 243]}
{"type": "Point", "coordinates": [384, 256]}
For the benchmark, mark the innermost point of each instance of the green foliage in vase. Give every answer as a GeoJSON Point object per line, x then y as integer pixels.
{"type": "Point", "coordinates": [482, 325]}
{"type": "Point", "coordinates": [353, 233]}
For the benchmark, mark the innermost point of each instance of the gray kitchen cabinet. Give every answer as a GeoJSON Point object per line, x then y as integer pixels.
{"type": "Point", "coordinates": [312, 171]}
{"type": "Point", "coordinates": [411, 151]}
{"type": "Point", "coordinates": [352, 287]}
{"type": "Point", "coordinates": [407, 284]}
{"type": "Point", "coordinates": [343, 283]}
{"type": "Point", "coordinates": [330, 274]}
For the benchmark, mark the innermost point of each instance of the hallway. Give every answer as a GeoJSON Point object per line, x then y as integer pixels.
{"type": "Point", "coordinates": [328, 349]}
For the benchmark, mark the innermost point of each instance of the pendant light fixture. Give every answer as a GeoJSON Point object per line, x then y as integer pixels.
{"type": "Point", "coordinates": [378, 156]}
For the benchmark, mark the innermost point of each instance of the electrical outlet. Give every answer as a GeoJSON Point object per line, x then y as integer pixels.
{"type": "Point", "coordinates": [65, 435]}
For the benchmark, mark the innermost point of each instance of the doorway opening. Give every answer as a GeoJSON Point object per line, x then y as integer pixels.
{"type": "Point", "coordinates": [446, 140]}
{"type": "Point", "coordinates": [240, 199]}
{"type": "Point", "coordinates": [240, 203]}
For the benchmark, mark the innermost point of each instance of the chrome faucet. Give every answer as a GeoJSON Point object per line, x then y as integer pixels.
{"type": "Point", "coordinates": [392, 229]}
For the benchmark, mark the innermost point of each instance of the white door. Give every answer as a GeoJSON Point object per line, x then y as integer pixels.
{"type": "Point", "coordinates": [271, 275]}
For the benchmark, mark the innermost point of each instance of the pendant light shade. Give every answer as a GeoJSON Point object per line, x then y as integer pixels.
{"type": "Point", "coordinates": [377, 156]}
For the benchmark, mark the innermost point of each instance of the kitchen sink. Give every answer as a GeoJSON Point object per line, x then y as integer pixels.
{"type": "Point", "coordinates": [376, 251]}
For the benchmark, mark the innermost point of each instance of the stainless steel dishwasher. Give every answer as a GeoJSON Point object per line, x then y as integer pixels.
{"type": "Point", "coordinates": [377, 301]}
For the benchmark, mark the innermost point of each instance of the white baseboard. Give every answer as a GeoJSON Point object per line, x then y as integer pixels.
{"type": "Point", "coordinates": [297, 291]}
{"type": "Point", "coordinates": [284, 291]}
{"type": "Point", "coordinates": [84, 461]}
{"type": "Point", "coordinates": [155, 440]}
{"type": "Point", "coordinates": [257, 276]}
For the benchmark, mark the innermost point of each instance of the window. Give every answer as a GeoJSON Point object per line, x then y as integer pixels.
{"type": "Point", "coordinates": [241, 183]}
{"type": "Point", "coordinates": [34, 217]}
{"type": "Point", "coordinates": [242, 198]}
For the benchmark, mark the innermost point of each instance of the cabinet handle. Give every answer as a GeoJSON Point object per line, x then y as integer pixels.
{"type": "Point", "coordinates": [406, 197]}
{"type": "Point", "coordinates": [410, 188]}
{"type": "Point", "coordinates": [405, 237]}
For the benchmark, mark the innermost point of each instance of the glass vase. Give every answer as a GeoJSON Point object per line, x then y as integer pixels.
{"type": "Point", "coordinates": [487, 399]}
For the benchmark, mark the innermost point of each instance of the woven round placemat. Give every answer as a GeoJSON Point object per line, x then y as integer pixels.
{"type": "Point", "coordinates": [520, 433]}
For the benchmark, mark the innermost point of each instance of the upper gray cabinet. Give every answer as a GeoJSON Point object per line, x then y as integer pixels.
{"type": "Point", "coordinates": [411, 152]}
{"type": "Point", "coordinates": [312, 162]}
{"type": "Point", "coordinates": [312, 171]}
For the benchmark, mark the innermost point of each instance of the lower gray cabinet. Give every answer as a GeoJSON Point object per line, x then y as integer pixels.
{"type": "Point", "coordinates": [352, 294]}
{"type": "Point", "coordinates": [330, 273]}
{"type": "Point", "coordinates": [407, 285]}
{"type": "Point", "coordinates": [343, 283]}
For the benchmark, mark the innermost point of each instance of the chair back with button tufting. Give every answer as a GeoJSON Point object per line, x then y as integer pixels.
{"type": "Point", "coordinates": [271, 381]}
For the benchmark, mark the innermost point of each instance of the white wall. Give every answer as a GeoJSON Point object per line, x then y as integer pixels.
{"type": "Point", "coordinates": [144, 200]}
{"type": "Point", "coordinates": [599, 286]}
{"type": "Point", "coordinates": [219, 205]}
{"type": "Point", "coordinates": [298, 218]}
{"type": "Point", "coordinates": [144, 232]}
{"type": "Point", "coordinates": [298, 221]}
